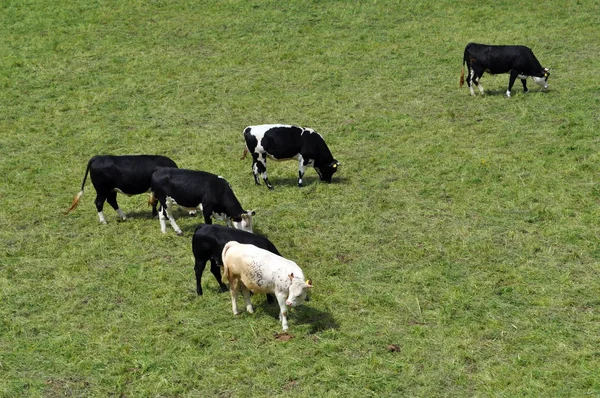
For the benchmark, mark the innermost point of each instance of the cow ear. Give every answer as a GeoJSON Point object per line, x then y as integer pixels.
{"type": "Point", "coordinates": [309, 283]}
{"type": "Point", "coordinates": [291, 276]}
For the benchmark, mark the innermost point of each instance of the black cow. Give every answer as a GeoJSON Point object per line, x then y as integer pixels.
{"type": "Point", "coordinates": [283, 142]}
{"type": "Point", "coordinates": [519, 61]}
{"type": "Point", "coordinates": [129, 175]}
{"type": "Point", "coordinates": [208, 243]}
{"type": "Point", "coordinates": [194, 189]}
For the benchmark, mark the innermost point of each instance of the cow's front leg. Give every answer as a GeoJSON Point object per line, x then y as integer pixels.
{"type": "Point", "coordinates": [282, 310]}
{"type": "Point", "coordinates": [168, 206]}
{"type": "Point", "coordinates": [246, 294]}
{"type": "Point", "coordinates": [301, 170]}
{"type": "Point", "coordinates": [524, 82]}
{"type": "Point", "coordinates": [511, 82]}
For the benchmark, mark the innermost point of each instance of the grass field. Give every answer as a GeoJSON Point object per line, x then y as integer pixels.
{"type": "Point", "coordinates": [456, 253]}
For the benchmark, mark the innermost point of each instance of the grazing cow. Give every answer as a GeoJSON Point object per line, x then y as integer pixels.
{"type": "Point", "coordinates": [208, 243]}
{"type": "Point", "coordinates": [260, 271]}
{"type": "Point", "coordinates": [192, 190]}
{"type": "Point", "coordinates": [129, 175]}
{"type": "Point", "coordinates": [284, 142]}
{"type": "Point", "coordinates": [519, 61]}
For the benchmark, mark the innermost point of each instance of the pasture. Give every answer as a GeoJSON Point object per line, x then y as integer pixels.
{"type": "Point", "coordinates": [456, 252]}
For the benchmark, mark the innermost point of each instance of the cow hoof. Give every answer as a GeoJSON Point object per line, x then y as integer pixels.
{"type": "Point", "coordinates": [270, 187]}
{"type": "Point", "coordinates": [224, 289]}
{"type": "Point", "coordinates": [179, 233]}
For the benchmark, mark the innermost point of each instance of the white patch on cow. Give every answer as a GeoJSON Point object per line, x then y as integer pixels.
{"type": "Point", "coordinates": [472, 74]}
{"type": "Point", "coordinates": [540, 81]}
{"type": "Point", "coordinates": [101, 217]}
{"type": "Point", "coordinates": [508, 93]}
{"type": "Point", "coordinates": [168, 207]}
{"type": "Point", "coordinates": [163, 223]}
{"type": "Point", "coordinates": [245, 224]}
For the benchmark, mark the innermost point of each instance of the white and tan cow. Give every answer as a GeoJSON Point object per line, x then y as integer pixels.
{"type": "Point", "coordinates": [250, 268]}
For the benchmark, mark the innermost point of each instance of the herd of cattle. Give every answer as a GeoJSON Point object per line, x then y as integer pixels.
{"type": "Point", "coordinates": [250, 262]}
{"type": "Point", "coordinates": [253, 263]}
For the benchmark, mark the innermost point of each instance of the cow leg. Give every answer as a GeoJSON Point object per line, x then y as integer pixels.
{"type": "Point", "coordinates": [511, 81]}
{"type": "Point", "coordinates": [246, 294]}
{"type": "Point", "coordinates": [168, 206]}
{"type": "Point", "coordinates": [524, 82]}
{"type": "Point", "coordinates": [470, 80]}
{"type": "Point", "coordinates": [216, 271]}
{"type": "Point", "coordinates": [161, 219]}
{"type": "Point", "coordinates": [259, 166]}
{"type": "Point", "coordinates": [99, 202]}
{"type": "Point", "coordinates": [112, 201]}
{"type": "Point", "coordinates": [207, 213]}
{"type": "Point", "coordinates": [198, 270]}
{"type": "Point", "coordinates": [255, 168]}
{"type": "Point", "coordinates": [282, 310]}
{"type": "Point", "coordinates": [301, 170]}
{"type": "Point", "coordinates": [234, 286]}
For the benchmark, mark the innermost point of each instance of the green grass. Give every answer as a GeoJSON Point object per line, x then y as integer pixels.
{"type": "Point", "coordinates": [455, 254]}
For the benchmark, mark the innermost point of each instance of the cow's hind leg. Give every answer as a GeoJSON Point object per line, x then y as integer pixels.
{"type": "Point", "coordinates": [234, 286]}
{"type": "Point", "coordinates": [470, 76]}
{"type": "Point", "coordinates": [216, 271]}
{"type": "Point", "coordinates": [112, 201]}
{"type": "Point", "coordinates": [246, 294]}
{"type": "Point", "coordinates": [259, 166]}
{"type": "Point", "coordinates": [198, 270]}
{"type": "Point", "coordinates": [99, 202]}
{"type": "Point", "coordinates": [166, 210]}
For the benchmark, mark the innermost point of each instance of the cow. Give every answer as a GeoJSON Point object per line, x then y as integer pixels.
{"type": "Point", "coordinates": [208, 242]}
{"type": "Point", "coordinates": [519, 61]}
{"type": "Point", "coordinates": [194, 189]}
{"type": "Point", "coordinates": [129, 175]}
{"type": "Point", "coordinates": [284, 142]}
{"type": "Point", "coordinates": [256, 270]}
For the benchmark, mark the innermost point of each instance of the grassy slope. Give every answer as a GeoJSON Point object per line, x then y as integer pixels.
{"type": "Point", "coordinates": [463, 230]}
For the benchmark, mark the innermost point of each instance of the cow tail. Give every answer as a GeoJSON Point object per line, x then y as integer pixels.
{"type": "Point", "coordinates": [152, 199]}
{"type": "Point", "coordinates": [245, 153]}
{"type": "Point", "coordinates": [80, 194]}
{"type": "Point", "coordinates": [225, 265]}
{"type": "Point", "coordinates": [462, 72]}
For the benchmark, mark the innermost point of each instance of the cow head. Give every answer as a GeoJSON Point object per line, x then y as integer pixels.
{"type": "Point", "coordinates": [326, 172]}
{"type": "Point", "coordinates": [297, 291]}
{"type": "Point", "coordinates": [244, 221]}
{"type": "Point", "coordinates": [542, 80]}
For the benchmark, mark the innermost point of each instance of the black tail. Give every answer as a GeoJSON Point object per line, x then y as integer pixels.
{"type": "Point", "coordinates": [78, 196]}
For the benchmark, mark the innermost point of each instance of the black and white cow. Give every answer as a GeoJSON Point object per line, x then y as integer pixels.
{"type": "Point", "coordinates": [208, 242]}
{"type": "Point", "coordinates": [519, 61]}
{"type": "Point", "coordinates": [284, 142]}
{"type": "Point", "coordinates": [192, 189]}
{"type": "Point", "coordinates": [129, 175]}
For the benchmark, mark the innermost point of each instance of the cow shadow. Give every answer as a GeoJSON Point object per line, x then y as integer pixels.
{"type": "Point", "coordinates": [307, 181]}
{"type": "Point", "coordinates": [140, 214]}
{"type": "Point", "coordinates": [318, 320]}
